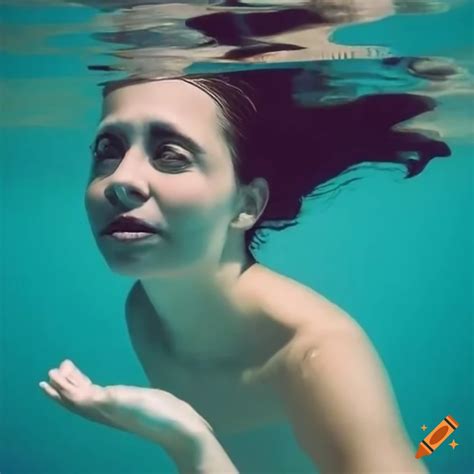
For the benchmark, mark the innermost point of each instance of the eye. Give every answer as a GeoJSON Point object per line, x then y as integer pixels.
{"type": "Point", "coordinates": [172, 154]}
{"type": "Point", "coordinates": [107, 147]}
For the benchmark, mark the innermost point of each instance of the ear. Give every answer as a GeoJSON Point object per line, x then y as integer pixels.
{"type": "Point", "coordinates": [253, 200]}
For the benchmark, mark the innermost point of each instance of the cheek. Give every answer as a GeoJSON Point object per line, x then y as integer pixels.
{"type": "Point", "coordinates": [195, 191]}
{"type": "Point", "coordinates": [196, 202]}
{"type": "Point", "coordinates": [91, 200]}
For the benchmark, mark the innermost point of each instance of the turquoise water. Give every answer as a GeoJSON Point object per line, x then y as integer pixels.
{"type": "Point", "coordinates": [395, 254]}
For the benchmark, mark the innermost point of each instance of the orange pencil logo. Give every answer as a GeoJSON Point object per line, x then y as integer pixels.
{"type": "Point", "coordinates": [437, 437]}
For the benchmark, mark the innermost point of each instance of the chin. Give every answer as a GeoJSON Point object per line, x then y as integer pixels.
{"type": "Point", "coordinates": [139, 268]}
{"type": "Point", "coordinates": [130, 270]}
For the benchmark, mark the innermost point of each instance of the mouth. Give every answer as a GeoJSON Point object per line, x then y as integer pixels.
{"type": "Point", "coordinates": [129, 237]}
{"type": "Point", "coordinates": [128, 227]}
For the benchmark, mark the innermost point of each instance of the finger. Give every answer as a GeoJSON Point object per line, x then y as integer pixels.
{"type": "Point", "coordinates": [60, 382]}
{"type": "Point", "coordinates": [50, 391]}
{"type": "Point", "coordinates": [68, 370]}
{"type": "Point", "coordinates": [73, 373]}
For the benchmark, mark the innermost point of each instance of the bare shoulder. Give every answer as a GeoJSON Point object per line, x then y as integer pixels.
{"type": "Point", "coordinates": [329, 352]}
{"type": "Point", "coordinates": [294, 304]}
{"type": "Point", "coordinates": [313, 318]}
{"type": "Point", "coordinates": [310, 374]}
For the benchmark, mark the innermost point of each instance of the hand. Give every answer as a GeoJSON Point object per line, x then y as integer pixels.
{"type": "Point", "coordinates": [150, 413]}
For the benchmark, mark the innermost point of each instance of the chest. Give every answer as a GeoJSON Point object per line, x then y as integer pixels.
{"type": "Point", "coordinates": [219, 396]}
{"type": "Point", "coordinates": [249, 422]}
{"type": "Point", "coordinates": [227, 404]}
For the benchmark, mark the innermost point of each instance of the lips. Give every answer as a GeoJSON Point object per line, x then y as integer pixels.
{"type": "Point", "coordinates": [129, 224]}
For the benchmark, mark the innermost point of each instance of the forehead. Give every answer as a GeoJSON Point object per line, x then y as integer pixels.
{"type": "Point", "coordinates": [182, 105]}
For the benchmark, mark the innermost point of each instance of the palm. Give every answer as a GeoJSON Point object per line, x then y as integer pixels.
{"type": "Point", "coordinates": [148, 412]}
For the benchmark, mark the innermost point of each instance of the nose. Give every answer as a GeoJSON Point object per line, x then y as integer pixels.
{"type": "Point", "coordinates": [127, 186]}
{"type": "Point", "coordinates": [124, 195]}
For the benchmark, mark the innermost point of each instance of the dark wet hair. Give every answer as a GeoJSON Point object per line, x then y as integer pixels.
{"type": "Point", "coordinates": [299, 147]}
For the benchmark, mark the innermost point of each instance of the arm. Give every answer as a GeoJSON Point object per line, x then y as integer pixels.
{"type": "Point", "coordinates": [204, 455]}
{"type": "Point", "coordinates": [343, 410]}
{"type": "Point", "coordinates": [152, 414]}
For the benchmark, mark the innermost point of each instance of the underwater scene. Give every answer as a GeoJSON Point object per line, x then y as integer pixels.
{"type": "Point", "coordinates": [236, 236]}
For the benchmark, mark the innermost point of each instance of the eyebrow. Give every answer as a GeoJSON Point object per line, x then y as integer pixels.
{"type": "Point", "coordinates": [157, 128]}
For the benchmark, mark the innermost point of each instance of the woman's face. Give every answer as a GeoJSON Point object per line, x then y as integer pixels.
{"type": "Point", "coordinates": [166, 146]}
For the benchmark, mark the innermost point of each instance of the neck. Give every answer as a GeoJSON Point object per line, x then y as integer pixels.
{"type": "Point", "coordinates": [200, 312]}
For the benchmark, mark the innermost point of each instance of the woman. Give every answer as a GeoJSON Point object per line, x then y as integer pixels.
{"type": "Point", "coordinates": [226, 343]}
